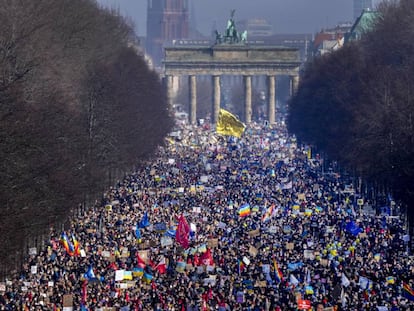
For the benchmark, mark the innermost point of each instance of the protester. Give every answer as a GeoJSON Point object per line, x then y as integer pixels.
{"type": "Point", "coordinates": [222, 223]}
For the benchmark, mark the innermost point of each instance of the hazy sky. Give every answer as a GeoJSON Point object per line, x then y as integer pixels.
{"type": "Point", "coordinates": [286, 16]}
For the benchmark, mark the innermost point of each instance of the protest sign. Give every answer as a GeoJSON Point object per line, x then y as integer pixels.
{"type": "Point", "coordinates": [67, 300]}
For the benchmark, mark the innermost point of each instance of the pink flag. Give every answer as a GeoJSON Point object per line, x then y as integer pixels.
{"type": "Point", "coordinates": [183, 229]}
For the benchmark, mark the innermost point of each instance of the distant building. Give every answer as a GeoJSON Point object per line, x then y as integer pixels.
{"type": "Point", "coordinates": [360, 6]}
{"type": "Point", "coordinates": [328, 40]}
{"type": "Point", "coordinates": [363, 23]}
{"type": "Point", "coordinates": [167, 20]}
{"type": "Point", "coordinates": [256, 27]}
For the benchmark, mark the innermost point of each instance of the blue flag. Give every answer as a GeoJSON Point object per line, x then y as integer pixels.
{"type": "Point", "coordinates": [137, 232]}
{"type": "Point", "coordinates": [353, 228]}
{"type": "Point", "coordinates": [89, 275]}
{"type": "Point", "coordinates": [144, 221]}
{"type": "Point", "coordinates": [170, 232]}
{"type": "Point", "coordinates": [292, 266]}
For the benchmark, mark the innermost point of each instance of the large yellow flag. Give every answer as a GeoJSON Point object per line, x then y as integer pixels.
{"type": "Point", "coordinates": [228, 124]}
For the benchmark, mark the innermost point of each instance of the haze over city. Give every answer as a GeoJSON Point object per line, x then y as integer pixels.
{"type": "Point", "coordinates": [286, 16]}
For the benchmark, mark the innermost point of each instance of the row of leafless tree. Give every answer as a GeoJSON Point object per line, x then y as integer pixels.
{"type": "Point", "coordinates": [357, 103]}
{"type": "Point", "coordinates": [78, 106]}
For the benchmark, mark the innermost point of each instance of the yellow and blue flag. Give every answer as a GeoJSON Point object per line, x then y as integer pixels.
{"type": "Point", "coordinates": [147, 277]}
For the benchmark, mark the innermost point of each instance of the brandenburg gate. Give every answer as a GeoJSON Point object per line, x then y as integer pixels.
{"type": "Point", "coordinates": [242, 60]}
{"type": "Point", "coordinates": [231, 55]}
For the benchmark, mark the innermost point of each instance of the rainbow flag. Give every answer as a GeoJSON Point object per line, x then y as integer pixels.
{"type": "Point", "coordinates": [407, 292]}
{"type": "Point", "coordinates": [64, 240]}
{"type": "Point", "coordinates": [268, 213]}
{"type": "Point", "coordinates": [244, 210]}
{"type": "Point", "coordinates": [240, 266]}
{"type": "Point", "coordinates": [75, 242]}
{"type": "Point", "coordinates": [278, 272]}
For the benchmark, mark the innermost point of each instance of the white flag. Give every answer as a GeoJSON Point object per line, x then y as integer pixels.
{"type": "Point", "coordinates": [293, 280]}
{"type": "Point", "coordinates": [345, 280]}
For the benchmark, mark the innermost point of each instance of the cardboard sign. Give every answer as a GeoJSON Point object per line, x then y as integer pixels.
{"type": "Point", "coordinates": [32, 251]}
{"type": "Point", "coordinates": [197, 209]}
{"type": "Point", "coordinates": [204, 179]}
{"type": "Point", "coordinates": [260, 284]}
{"type": "Point", "coordinates": [290, 246]}
{"type": "Point", "coordinates": [119, 275]}
{"type": "Point", "coordinates": [166, 241]}
{"type": "Point", "coordinates": [143, 255]}
{"type": "Point", "coordinates": [308, 254]}
{"type": "Point", "coordinates": [254, 233]}
{"type": "Point", "coordinates": [212, 243]}
{"type": "Point", "coordinates": [272, 229]}
{"type": "Point", "coordinates": [67, 300]}
{"type": "Point", "coordinates": [253, 251]}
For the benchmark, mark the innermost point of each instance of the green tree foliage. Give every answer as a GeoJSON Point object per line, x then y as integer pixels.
{"type": "Point", "coordinates": [77, 104]}
{"type": "Point", "coordinates": [357, 103]}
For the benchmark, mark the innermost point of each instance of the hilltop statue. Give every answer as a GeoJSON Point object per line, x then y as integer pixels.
{"type": "Point", "coordinates": [231, 35]}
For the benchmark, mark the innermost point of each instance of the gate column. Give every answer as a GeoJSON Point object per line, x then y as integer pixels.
{"type": "Point", "coordinates": [294, 82]}
{"type": "Point", "coordinates": [248, 99]}
{"type": "Point", "coordinates": [193, 99]}
{"type": "Point", "coordinates": [169, 86]}
{"type": "Point", "coordinates": [216, 98]}
{"type": "Point", "coordinates": [271, 97]}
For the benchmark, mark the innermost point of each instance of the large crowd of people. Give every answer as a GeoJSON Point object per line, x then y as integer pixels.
{"type": "Point", "coordinates": [222, 223]}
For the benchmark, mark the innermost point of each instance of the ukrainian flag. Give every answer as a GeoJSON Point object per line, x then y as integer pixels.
{"type": "Point", "coordinates": [229, 125]}
{"type": "Point", "coordinates": [309, 290]}
{"type": "Point", "coordinates": [147, 277]}
{"type": "Point", "coordinates": [127, 275]}
{"type": "Point", "coordinates": [390, 280]}
{"type": "Point", "coordinates": [138, 272]}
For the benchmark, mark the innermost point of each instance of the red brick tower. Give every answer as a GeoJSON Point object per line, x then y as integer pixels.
{"type": "Point", "coordinates": [167, 20]}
